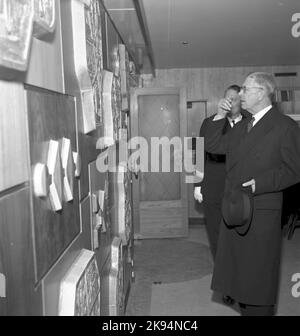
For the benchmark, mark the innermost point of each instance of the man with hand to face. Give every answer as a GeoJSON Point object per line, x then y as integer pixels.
{"type": "Point", "coordinates": [230, 106]}
{"type": "Point", "coordinates": [262, 159]}
{"type": "Point", "coordinates": [210, 190]}
{"type": "Point", "coordinates": [212, 186]}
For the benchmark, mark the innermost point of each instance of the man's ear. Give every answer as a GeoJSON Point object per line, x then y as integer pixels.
{"type": "Point", "coordinates": [261, 95]}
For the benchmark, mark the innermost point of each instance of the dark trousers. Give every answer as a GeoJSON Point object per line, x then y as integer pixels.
{"type": "Point", "coordinates": [213, 216]}
{"type": "Point", "coordinates": [250, 310]}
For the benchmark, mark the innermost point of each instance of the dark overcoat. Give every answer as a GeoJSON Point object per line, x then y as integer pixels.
{"type": "Point", "coordinates": [247, 266]}
{"type": "Point", "coordinates": [212, 186]}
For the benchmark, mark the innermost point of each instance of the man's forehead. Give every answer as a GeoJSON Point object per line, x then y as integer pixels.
{"type": "Point", "coordinates": [249, 81]}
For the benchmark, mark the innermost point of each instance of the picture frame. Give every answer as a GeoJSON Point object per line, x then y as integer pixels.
{"type": "Point", "coordinates": [80, 287]}
{"type": "Point", "coordinates": [16, 22]}
{"type": "Point", "coordinates": [44, 18]}
{"type": "Point", "coordinates": [287, 100]}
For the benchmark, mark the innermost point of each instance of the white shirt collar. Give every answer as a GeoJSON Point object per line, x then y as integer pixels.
{"type": "Point", "coordinates": [257, 116]}
{"type": "Point", "coordinates": [236, 120]}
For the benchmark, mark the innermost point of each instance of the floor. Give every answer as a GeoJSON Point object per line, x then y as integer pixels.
{"type": "Point", "coordinates": [173, 278]}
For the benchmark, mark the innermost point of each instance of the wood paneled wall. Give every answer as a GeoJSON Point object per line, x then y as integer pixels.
{"type": "Point", "coordinates": [45, 70]}
{"type": "Point", "coordinates": [16, 256]}
{"type": "Point", "coordinates": [209, 83]}
{"type": "Point", "coordinates": [13, 136]}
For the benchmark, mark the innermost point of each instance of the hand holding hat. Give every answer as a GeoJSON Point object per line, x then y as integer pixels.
{"type": "Point", "coordinates": [237, 207]}
{"type": "Point", "coordinates": [197, 194]}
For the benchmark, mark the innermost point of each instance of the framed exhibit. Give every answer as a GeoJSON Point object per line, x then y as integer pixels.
{"type": "Point", "coordinates": [287, 100]}
{"type": "Point", "coordinates": [111, 58]}
{"type": "Point", "coordinates": [16, 24]}
{"type": "Point", "coordinates": [83, 70]}
{"type": "Point", "coordinates": [94, 53]}
{"type": "Point", "coordinates": [116, 279]}
{"type": "Point", "coordinates": [44, 17]}
{"type": "Point", "coordinates": [80, 287]}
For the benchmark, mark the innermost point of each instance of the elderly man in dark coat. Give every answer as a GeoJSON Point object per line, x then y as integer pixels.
{"type": "Point", "coordinates": [267, 160]}
{"type": "Point", "coordinates": [212, 186]}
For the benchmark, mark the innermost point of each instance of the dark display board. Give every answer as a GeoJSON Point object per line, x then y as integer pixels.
{"type": "Point", "coordinates": [51, 116]}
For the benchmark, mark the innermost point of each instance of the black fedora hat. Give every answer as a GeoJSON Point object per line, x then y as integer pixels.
{"type": "Point", "coordinates": [237, 209]}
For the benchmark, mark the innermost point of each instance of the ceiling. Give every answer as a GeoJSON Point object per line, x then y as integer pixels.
{"type": "Point", "coordinates": [221, 33]}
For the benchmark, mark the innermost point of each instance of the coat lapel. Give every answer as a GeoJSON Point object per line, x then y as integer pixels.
{"type": "Point", "coordinates": [226, 127]}
{"type": "Point", "coordinates": [250, 141]}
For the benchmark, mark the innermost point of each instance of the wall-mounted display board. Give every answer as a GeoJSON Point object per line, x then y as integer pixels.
{"type": "Point", "coordinates": [16, 22]}
{"type": "Point", "coordinates": [116, 279]}
{"type": "Point", "coordinates": [94, 54]}
{"type": "Point", "coordinates": [134, 78]}
{"type": "Point", "coordinates": [80, 288]}
{"type": "Point", "coordinates": [100, 213]}
{"type": "Point", "coordinates": [116, 106]}
{"type": "Point", "coordinates": [124, 205]}
{"type": "Point", "coordinates": [111, 59]}
{"type": "Point", "coordinates": [52, 141]}
{"type": "Point", "coordinates": [112, 102]}
{"type": "Point", "coordinates": [108, 135]}
{"type": "Point", "coordinates": [44, 17]}
{"type": "Point", "coordinates": [81, 65]}
{"type": "Point", "coordinates": [124, 74]}
{"type": "Point", "coordinates": [64, 228]}
{"type": "Point", "coordinates": [20, 20]}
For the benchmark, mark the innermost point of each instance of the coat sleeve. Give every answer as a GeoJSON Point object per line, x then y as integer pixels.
{"type": "Point", "coordinates": [202, 133]}
{"type": "Point", "coordinates": [214, 141]}
{"type": "Point", "coordinates": [288, 173]}
{"type": "Point", "coordinates": [203, 128]}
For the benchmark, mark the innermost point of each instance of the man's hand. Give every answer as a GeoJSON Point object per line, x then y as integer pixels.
{"type": "Point", "coordinates": [250, 183]}
{"type": "Point", "coordinates": [197, 194]}
{"type": "Point", "coordinates": [224, 107]}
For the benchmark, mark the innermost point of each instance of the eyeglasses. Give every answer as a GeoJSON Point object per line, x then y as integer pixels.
{"type": "Point", "coordinates": [247, 89]}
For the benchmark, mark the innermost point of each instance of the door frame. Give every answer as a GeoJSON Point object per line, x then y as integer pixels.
{"type": "Point", "coordinates": [134, 95]}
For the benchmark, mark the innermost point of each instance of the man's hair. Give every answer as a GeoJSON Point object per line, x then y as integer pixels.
{"type": "Point", "coordinates": [266, 80]}
{"type": "Point", "coordinates": [234, 87]}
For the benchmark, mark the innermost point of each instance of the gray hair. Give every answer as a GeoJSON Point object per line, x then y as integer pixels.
{"type": "Point", "coordinates": [266, 80]}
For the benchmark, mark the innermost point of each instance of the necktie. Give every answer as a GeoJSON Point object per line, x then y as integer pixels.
{"type": "Point", "coordinates": [233, 122]}
{"type": "Point", "coordinates": [250, 124]}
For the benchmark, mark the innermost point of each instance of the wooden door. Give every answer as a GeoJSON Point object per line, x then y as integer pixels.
{"type": "Point", "coordinates": [160, 198]}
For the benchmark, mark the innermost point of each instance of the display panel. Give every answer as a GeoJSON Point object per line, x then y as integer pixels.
{"type": "Point", "coordinates": [80, 288]}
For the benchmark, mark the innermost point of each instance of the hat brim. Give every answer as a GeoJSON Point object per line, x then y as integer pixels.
{"type": "Point", "coordinates": [247, 197]}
